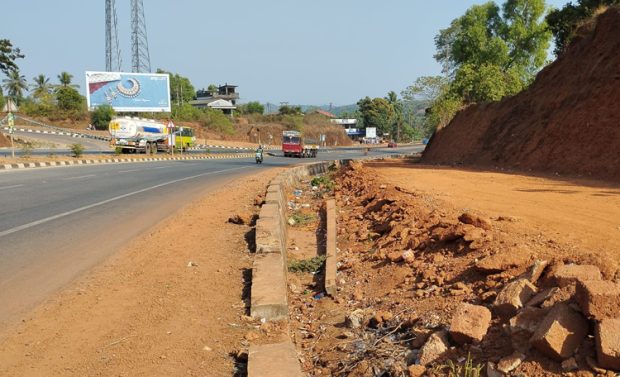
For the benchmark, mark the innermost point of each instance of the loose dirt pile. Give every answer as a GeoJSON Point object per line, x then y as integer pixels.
{"type": "Point", "coordinates": [567, 122]}
{"type": "Point", "coordinates": [426, 289]}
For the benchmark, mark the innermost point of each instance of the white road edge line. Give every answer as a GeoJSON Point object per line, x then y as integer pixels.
{"type": "Point", "coordinates": [10, 187]}
{"type": "Point", "coordinates": [60, 215]}
{"type": "Point", "coordinates": [80, 177]}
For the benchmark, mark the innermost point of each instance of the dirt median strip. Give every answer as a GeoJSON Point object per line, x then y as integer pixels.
{"type": "Point", "coordinates": [170, 304]}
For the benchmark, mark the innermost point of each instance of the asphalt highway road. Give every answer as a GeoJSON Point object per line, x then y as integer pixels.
{"type": "Point", "coordinates": [56, 223]}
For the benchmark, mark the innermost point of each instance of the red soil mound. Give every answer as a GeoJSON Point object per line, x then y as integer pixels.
{"type": "Point", "coordinates": [567, 122]}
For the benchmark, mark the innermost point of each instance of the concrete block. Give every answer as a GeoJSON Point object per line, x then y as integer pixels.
{"type": "Point", "coordinates": [331, 251]}
{"type": "Point", "coordinates": [268, 235]}
{"type": "Point", "coordinates": [607, 335]}
{"type": "Point", "coordinates": [268, 296]}
{"type": "Point", "coordinates": [470, 323]}
{"type": "Point", "coordinates": [569, 274]}
{"type": "Point", "coordinates": [273, 360]}
{"type": "Point", "coordinates": [560, 333]}
{"type": "Point", "coordinates": [513, 297]}
{"type": "Point", "coordinates": [599, 299]}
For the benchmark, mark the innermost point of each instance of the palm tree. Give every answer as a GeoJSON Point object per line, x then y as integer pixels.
{"type": "Point", "coordinates": [65, 80]}
{"type": "Point", "coordinates": [15, 84]}
{"type": "Point", "coordinates": [41, 85]}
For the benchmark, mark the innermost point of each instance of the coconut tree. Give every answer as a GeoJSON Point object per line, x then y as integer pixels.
{"type": "Point", "coordinates": [15, 84]}
{"type": "Point", "coordinates": [65, 80]}
{"type": "Point", "coordinates": [41, 86]}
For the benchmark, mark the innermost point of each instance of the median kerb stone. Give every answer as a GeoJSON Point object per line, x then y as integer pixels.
{"type": "Point", "coordinates": [599, 299]}
{"type": "Point", "coordinates": [470, 323]}
{"type": "Point", "coordinates": [273, 360]}
{"type": "Point", "coordinates": [560, 332]}
{"type": "Point", "coordinates": [607, 335]}
{"type": "Point", "coordinates": [268, 295]}
{"type": "Point", "coordinates": [268, 233]}
{"type": "Point", "coordinates": [331, 250]}
{"type": "Point", "coordinates": [568, 274]}
{"type": "Point", "coordinates": [513, 297]}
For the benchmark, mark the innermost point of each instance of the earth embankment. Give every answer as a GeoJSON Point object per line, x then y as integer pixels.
{"type": "Point", "coordinates": [567, 122]}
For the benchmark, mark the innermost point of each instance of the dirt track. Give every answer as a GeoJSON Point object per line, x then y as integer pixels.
{"type": "Point", "coordinates": [170, 304]}
{"type": "Point", "coordinates": [581, 213]}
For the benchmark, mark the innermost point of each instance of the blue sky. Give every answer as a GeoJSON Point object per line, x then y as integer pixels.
{"type": "Point", "coordinates": [302, 52]}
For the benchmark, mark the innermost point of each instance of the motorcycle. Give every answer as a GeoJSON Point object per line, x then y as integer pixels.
{"type": "Point", "coordinates": [259, 157]}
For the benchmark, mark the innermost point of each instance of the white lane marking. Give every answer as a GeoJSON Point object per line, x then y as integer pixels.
{"type": "Point", "coordinates": [10, 187]}
{"type": "Point", "coordinates": [80, 177]}
{"type": "Point", "coordinates": [129, 171]}
{"type": "Point", "coordinates": [60, 215]}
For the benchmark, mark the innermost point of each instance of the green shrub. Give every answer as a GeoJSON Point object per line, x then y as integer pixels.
{"type": "Point", "coordinates": [307, 265]}
{"type": "Point", "coordinates": [218, 121]}
{"type": "Point", "coordinates": [304, 218]}
{"type": "Point", "coordinates": [77, 149]}
{"type": "Point", "coordinates": [101, 117]}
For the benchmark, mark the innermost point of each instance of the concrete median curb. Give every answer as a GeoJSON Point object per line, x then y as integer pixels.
{"type": "Point", "coordinates": [24, 165]}
{"type": "Point", "coordinates": [269, 292]}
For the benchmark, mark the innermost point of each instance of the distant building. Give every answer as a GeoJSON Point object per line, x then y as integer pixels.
{"type": "Point", "coordinates": [224, 99]}
{"type": "Point", "coordinates": [350, 127]}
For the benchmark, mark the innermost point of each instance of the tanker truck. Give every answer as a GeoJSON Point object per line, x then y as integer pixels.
{"type": "Point", "coordinates": [136, 135]}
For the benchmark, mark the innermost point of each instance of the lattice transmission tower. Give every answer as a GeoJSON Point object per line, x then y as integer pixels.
{"type": "Point", "coordinates": [140, 58]}
{"type": "Point", "coordinates": [113, 59]}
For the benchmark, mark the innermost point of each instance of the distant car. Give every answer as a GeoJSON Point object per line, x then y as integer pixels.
{"type": "Point", "coordinates": [392, 144]}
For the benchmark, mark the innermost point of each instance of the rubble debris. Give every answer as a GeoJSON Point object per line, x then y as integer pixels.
{"type": "Point", "coordinates": [510, 363]}
{"type": "Point", "coordinates": [242, 219]}
{"type": "Point", "coordinates": [599, 299]}
{"type": "Point", "coordinates": [607, 335]}
{"type": "Point", "coordinates": [504, 260]}
{"type": "Point", "coordinates": [560, 332]}
{"type": "Point", "coordinates": [513, 297]}
{"type": "Point", "coordinates": [567, 274]}
{"type": "Point", "coordinates": [477, 221]}
{"type": "Point", "coordinates": [470, 323]}
{"type": "Point", "coordinates": [434, 348]}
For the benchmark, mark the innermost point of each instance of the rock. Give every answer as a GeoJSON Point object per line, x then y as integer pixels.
{"type": "Point", "coordinates": [291, 221]}
{"type": "Point", "coordinates": [420, 336]}
{"type": "Point", "coordinates": [513, 297]}
{"type": "Point", "coordinates": [542, 296]}
{"type": "Point", "coordinates": [560, 333]}
{"type": "Point", "coordinates": [523, 325]}
{"type": "Point", "coordinates": [492, 370]}
{"type": "Point", "coordinates": [528, 320]}
{"type": "Point", "coordinates": [416, 370]}
{"type": "Point", "coordinates": [536, 271]}
{"type": "Point", "coordinates": [473, 234]}
{"type": "Point", "coordinates": [395, 256]}
{"type": "Point", "coordinates": [503, 261]}
{"type": "Point", "coordinates": [259, 200]}
{"type": "Point", "coordinates": [569, 365]}
{"type": "Point", "coordinates": [599, 299]}
{"type": "Point", "coordinates": [241, 219]}
{"type": "Point", "coordinates": [434, 348]}
{"type": "Point", "coordinates": [355, 319]}
{"type": "Point", "coordinates": [567, 274]}
{"type": "Point", "coordinates": [510, 363]}
{"type": "Point", "coordinates": [477, 221]}
{"type": "Point", "coordinates": [408, 256]}
{"type": "Point", "coordinates": [470, 323]}
{"type": "Point", "coordinates": [380, 317]}
{"type": "Point", "coordinates": [607, 337]}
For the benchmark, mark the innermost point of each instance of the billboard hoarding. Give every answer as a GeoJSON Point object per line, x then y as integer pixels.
{"type": "Point", "coordinates": [371, 132]}
{"type": "Point", "coordinates": [128, 92]}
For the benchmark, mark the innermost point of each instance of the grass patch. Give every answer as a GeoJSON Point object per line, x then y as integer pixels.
{"type": "Point", "coordinates": [302, 219]}
{"type": "Point", "coordinates": [307, 265]}
{"type": "Point", "coordinates": [468, 369]}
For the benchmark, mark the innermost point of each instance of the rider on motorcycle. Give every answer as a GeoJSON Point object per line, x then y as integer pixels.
{"type": "Point", "coordinates": [259, 153]}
